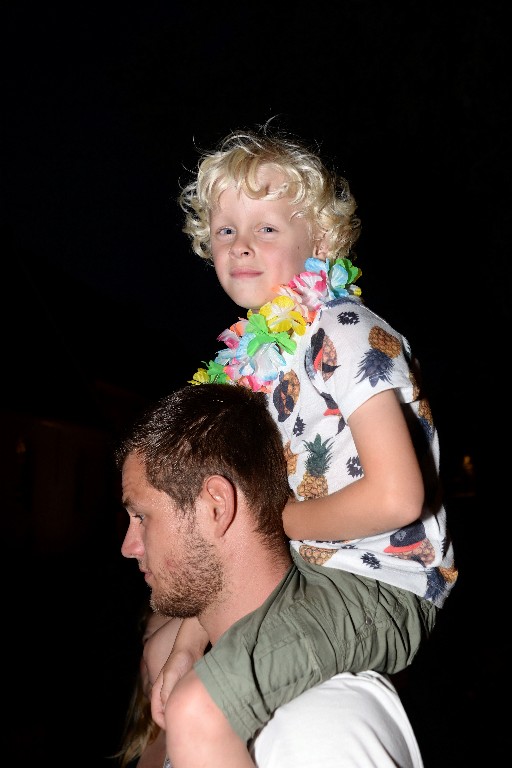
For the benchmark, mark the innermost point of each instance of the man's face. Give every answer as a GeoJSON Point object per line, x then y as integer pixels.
{"type": "Point", "coordinates": [179, 564]}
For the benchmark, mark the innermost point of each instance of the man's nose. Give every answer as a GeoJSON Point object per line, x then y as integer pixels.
{"type": "Point", "coordinates": [132, 545]}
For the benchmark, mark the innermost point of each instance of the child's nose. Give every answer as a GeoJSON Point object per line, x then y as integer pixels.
{"type": "Point", "coordinates": [239, 249]}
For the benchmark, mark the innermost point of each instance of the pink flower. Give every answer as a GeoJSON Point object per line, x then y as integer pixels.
{"type": "Point", "coordinates": [312, 288]}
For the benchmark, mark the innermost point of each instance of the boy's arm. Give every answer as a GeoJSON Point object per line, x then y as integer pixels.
{"type": "Point", "coordinates": [188, 647]}
{"type": "Point", "coordinates": [390, 495]}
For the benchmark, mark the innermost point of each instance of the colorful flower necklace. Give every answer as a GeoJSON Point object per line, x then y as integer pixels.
{"type": "Point", "coordinates": [255, 346]}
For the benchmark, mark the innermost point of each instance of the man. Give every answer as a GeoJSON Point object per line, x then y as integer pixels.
{"type": "Point", "coordinates": [205, 483]}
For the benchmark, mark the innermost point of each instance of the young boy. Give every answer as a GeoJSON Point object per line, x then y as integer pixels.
{"type": "Point", "coordinates": [343, 387]}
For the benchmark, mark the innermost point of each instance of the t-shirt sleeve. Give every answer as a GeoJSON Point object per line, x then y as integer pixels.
{"type": "Point", "coordinates": [361, 355]}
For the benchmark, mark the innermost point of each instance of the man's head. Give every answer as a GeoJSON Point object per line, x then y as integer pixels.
{"type": "Point", "coordinates": [187, 467]}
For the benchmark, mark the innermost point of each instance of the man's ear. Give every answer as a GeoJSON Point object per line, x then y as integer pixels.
{"type": "Point", "coordinates": [219, 496]}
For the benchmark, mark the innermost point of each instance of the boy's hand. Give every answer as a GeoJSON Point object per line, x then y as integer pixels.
{"type": "Point", "coordinates": [189, 646]}
{"type": "Point", "coordinates": [177, 665]}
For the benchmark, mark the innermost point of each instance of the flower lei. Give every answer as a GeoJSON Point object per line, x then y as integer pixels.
{"type": "Point", "coordinates": [255, 346]}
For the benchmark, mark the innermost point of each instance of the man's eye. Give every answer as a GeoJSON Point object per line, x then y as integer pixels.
{"type": "Point", "coordinates": [140, 517]}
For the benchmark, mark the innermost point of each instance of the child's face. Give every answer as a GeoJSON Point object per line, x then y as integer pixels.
{"type": "Point", "coordinates": [257, 245]}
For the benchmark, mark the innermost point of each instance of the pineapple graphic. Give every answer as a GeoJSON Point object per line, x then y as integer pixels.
{"type": "Point", "coordinates": [314, 482]}
{"type": "Point", "coordinates": [415, 387]}
{"type": "Point", "coordinates": [291, 459]}
{"type": "Point", "coordinates": [378, 361]}
{"type": "Point", "coordinates": [424, 411]}
{"type": "Point", "coordinates": [315, 555]}
{"type": "Point", "coordinates": [425, 415]}
{"type": "Point", "coordinates": [449, 574]}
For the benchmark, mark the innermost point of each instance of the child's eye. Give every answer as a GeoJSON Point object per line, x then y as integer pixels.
{"type": "Point", "coordinates": [226, 231]}
{"type": "Point", "coordinates": [267, 228]}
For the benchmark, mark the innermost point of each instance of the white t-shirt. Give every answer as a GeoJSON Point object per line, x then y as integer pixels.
{"type": "Point", "coordinates": [350, 721]}
{"type": "Point", "coordinates": [347, 355]}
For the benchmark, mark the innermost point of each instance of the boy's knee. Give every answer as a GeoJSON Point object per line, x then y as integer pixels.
{"type": "Point", "coordinates": [194, 722]}
{"type": "Point", "coordinates": [190, 712]}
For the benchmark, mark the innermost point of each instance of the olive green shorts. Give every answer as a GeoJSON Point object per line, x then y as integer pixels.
{"type": "Point", "coordinates": [316, 623]}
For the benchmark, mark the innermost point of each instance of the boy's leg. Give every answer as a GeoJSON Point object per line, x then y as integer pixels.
{"type": "Point", "coordinates": [319, 622]}
{"type": "Point", "coordinates": [197, 732]}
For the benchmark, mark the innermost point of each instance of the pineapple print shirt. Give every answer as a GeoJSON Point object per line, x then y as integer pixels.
{"type": "Point", "coordinates": [346, 356]}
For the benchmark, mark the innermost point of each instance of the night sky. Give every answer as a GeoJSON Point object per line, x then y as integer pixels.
{"type": "Point", "coordinates": [105, 106]}
{"type": "Point", "coordinates": [104, 305]}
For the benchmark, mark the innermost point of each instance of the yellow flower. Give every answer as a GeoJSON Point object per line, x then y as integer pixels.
{"type": "Point", "coordinates": [281, 315]}
{"type": "Point", "coordinates": [200, 377]}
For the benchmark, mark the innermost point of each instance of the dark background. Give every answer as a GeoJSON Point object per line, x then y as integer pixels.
{"type": "Point", "coordinates": [105, 307]}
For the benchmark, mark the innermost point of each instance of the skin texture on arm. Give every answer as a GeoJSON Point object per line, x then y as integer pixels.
{"type": "Point", "coordinates": [189, 697]}
{"type": "Point", "coordinates": [157, 647]}
{"type": "Point", "coordinates": [390, 495]}
{"type": "Point", "coordinates": [187, 646]}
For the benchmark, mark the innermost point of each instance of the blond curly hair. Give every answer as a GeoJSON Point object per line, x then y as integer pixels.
{"type": "Point", "coordinates": [323, 196]}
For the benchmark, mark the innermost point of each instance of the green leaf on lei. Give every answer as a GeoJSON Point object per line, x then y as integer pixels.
{"type": "Point", "coordinates": [257, 324]}
{"type": "Point", "coordinates": [216, 373]}
{"type": "Point", "coordinates": [352, 272]}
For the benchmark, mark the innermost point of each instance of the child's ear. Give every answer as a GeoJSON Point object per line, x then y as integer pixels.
{"type": "Point", "coordinates": [320, 247]}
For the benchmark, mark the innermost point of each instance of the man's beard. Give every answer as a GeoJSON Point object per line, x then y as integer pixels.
{"type": "Point", "coordinates": [192, 590]}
